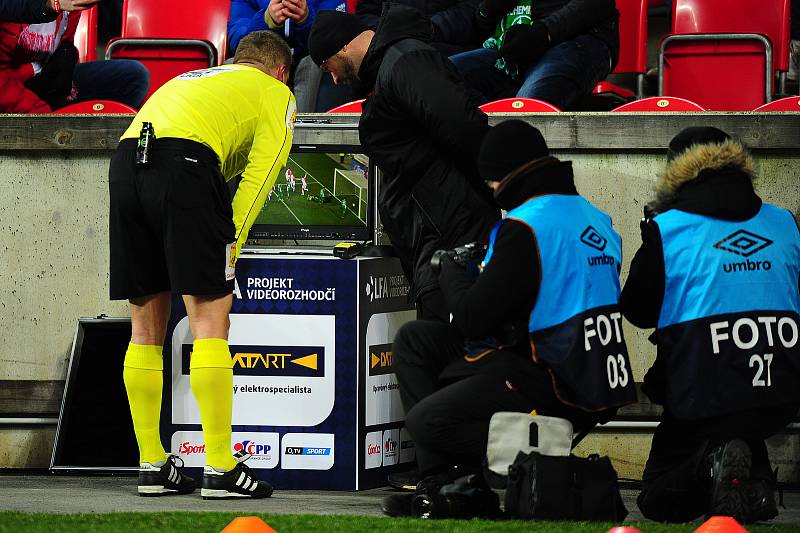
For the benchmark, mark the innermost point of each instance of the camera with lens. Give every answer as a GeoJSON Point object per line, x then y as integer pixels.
{"type": "Point", "coordinates": [468, 257]}
{"type": "Point", "coordinates": [466, 497]}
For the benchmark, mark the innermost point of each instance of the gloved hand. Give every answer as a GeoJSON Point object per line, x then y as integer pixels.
{"type": "Point", "coordinates": [54, 83]}
{"type": "Point", "coordinates": [495, 9]}
{"type": "Point", "coordinates": [523, 45]}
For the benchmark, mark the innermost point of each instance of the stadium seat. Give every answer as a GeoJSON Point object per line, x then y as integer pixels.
{"type": "Point", "coordinates": [722, 56]}
{"type": "Point", "coordinates": [659, 103]}
{"type": "Point", "coordinates": [790, 103]}
{"type": "Point", "coordinates": [171, 38]}
{"type": "Point", "coordinates": [85, 39]}
{"type": "Point", "coordinates": [96, 107]}
{"type": "Point", "coordinates": [632, 48]}
{"type": "Point", "coordinates": [519, 105]}
{"type": "Point", "coordinates": [351, 6]}
{"type": "Point", "coordinates": [349, 107]}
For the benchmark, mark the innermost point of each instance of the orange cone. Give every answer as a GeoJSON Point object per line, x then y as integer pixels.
{"type": "Point", "coordinates": [720, 524]}
{"type": "Point", "coordinates": [248, 524]}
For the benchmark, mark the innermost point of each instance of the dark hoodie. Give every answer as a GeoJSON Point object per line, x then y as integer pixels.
{"type": "Point", "coordinates": [714, 180]}
{"type": "Point", "coordinates": [505, 292]}
{"type": "Point", "coordinates": [423, 130]}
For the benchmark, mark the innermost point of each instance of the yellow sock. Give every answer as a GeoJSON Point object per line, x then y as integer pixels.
{"type": "Point", "coordinates": [142, 374]}
{"type": "Point", "coordinates": [211, 373]}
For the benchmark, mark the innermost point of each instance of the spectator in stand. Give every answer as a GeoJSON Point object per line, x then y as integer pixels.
{"type": "Point", "coordinates": [37, 11]}
{"type": "Point", "coordinates": [452, 22]}
{"type": "Point", "coordinates": [39, 70]}
{"type": "Point", "coordinates": [553, 50]}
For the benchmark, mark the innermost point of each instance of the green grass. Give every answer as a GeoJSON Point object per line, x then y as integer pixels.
{"type": "Point", "coordinates": [213, 522]}
{"type": "Point", "coordinates": [287, 208]}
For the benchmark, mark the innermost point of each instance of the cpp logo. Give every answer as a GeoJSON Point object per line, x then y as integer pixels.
{"type": "Point", "coordinates": [250, 447]}
{"type": "Point", "coordinates": [743, 243]}
{"type": "Point", "coordinates": [591, 237]}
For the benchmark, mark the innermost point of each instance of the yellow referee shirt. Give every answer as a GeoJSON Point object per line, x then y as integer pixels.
{"type": "Point", "coordinates": [244, 115]}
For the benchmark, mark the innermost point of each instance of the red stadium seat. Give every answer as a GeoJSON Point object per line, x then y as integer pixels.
{"type": "Point", "coordinates": [86, 36]}
{"type": "Point", "coordinates": [349, 107]}
{"type": "Point", "coordinates": [96, 107]}
{"type": "Point", "coordinates": [725, 55]}
{"type": "Point", "coordinates": [790, 103]}
{"type": "Point", "coordinates": [519, 105]}
{"type": "Point", "coordinates": [351, 6]}
{"type": "Point", "coordinates": [659, 103]}
{"type": "Point", "coordinates": [632, 48]}
{"type": "Point", "coordinates": [171, 38]}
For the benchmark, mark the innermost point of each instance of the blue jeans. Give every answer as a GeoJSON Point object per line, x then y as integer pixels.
{"type": "Point", "coordinates": [564, 74]}
{"type": "Point", "coordinates": [120, 80]}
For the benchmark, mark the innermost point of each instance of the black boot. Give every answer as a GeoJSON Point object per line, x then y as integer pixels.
{"type": "Point", "coordinates": [727, 466]}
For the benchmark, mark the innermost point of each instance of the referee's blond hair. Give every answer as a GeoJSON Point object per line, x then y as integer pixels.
{"type": "Point", "coordinates": [264, 47]}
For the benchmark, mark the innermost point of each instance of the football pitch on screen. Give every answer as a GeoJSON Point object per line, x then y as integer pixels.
{"type": "Point", "coordinates": [318, 205]}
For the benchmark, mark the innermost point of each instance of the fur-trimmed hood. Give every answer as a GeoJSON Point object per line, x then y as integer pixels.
{"type": "Point", "coordinates": [729, 156]}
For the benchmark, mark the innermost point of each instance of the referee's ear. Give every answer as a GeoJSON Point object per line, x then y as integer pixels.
{"type": "Point", "coordinates": [281, 74]}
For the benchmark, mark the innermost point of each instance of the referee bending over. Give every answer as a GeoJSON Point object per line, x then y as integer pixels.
{"type": "Point", "coordinates": [174, 227]}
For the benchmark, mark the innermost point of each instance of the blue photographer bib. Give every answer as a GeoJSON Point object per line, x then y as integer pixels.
{"type": "Point", "coordinates": [575, 324]}
{"type": "Point", "coordinates": [729, 322]}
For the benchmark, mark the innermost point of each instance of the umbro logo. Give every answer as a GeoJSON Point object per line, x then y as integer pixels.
{"type": "Point", "coordinates": [743, 243]}
{"type": "Point", "coordinates": [591, 237]}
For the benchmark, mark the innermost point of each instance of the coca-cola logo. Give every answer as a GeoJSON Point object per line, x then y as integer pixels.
{"type": "Point", "coordinates": [187, 448]}
{"type": "Point", "coordinates": [372, 449]}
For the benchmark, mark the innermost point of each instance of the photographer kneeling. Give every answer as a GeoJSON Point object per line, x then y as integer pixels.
{"type": "Point", "coordinates": [538, 330]}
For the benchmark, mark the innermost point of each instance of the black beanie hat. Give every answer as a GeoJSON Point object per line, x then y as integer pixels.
{"type": "Point", "coordinates": [692, 136]}
{"type": "Point", "coordinates": [330, 32]}
{"type": "Point", "coordinates": [508, 146]}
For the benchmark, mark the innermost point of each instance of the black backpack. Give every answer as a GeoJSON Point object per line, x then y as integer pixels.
{"type": "Point", "coordinates": [563, 488]}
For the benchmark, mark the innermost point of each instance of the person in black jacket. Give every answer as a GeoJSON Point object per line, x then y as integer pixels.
{"type": "Point", "coordinates": [37, 11]}
{"type": "Point", "coordinates": [713, 257]}
{"type": "Point", "coordinates": [553, 50]}
{"type": "Point", "coordinates": [518, 332]}
{"type": "Point", "coordinates": [452, 21]}
{"type": "Point", "coordinates": [421, 128]}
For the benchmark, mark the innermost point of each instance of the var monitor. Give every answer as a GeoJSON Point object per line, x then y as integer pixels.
{"type": "Point", "coordinates": [323, 192]}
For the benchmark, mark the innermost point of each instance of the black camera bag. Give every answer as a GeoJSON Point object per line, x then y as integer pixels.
{"type": "Point", "coordinates": [563, 488]}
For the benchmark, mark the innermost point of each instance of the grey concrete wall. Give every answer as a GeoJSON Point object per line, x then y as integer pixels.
{"type": "Point", "coordinates": [54, 267]}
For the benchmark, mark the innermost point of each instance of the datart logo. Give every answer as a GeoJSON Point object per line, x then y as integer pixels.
{"type": "Point", "coordinates": [300, 450]}
{"type": "Point", "coordinates": [745, 244]}
{"type": "Point", "coordinates": [380, 360]}
{"type": "Point", "coordinates": [295, 361]}
{"type": "Point", "coordinates": [252, 448]}
{"type": "Point", "coordinates": [591, 237]}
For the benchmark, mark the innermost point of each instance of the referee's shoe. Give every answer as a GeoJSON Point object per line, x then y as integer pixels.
{"type": "Point", "coordinates": [237, 483]}
{"type": "Point", "coordinates": [164, 479]}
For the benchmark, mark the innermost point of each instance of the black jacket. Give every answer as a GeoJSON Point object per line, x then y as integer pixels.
{"type": "Point", "coordinates": [566, 19]}
{"type": "Point", "coordinates": [451, 20]}
{"type": "Point", "coordinates": [423, 130]}
{"type": "Point", "coordinates": [26, 11]}
{"type": "Point", "coordinates": [505, 292]}
{"type": "Point", "coordinates": [711, 180]}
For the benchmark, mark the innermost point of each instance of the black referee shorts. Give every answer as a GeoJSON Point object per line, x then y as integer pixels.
{"type": "Point", "coordinates": [171, 222]}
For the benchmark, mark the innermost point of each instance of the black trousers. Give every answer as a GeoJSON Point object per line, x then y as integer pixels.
{"type": "Point", "coordinates": [449, 401]}
{"type": "Point", "coordinates": [673, 489]}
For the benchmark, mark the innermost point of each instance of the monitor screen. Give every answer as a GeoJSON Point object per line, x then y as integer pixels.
{"type": "Point", "coordinates": [323, 192]}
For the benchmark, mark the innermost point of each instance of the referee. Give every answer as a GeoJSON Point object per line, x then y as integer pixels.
{"type": "Point", "coordinates": [174, 227]}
